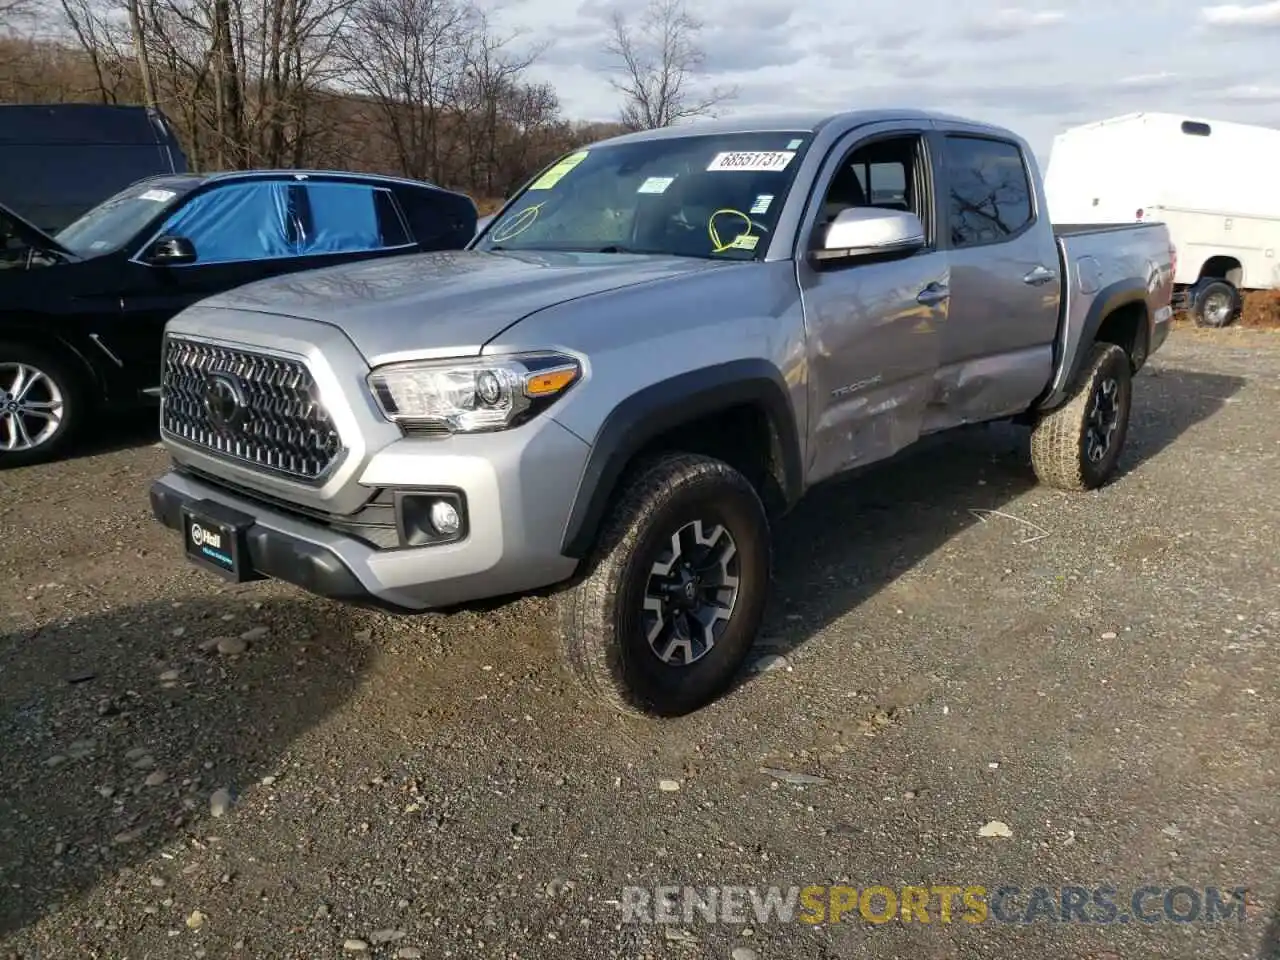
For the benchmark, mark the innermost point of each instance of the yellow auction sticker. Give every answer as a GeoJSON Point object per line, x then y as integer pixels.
{"type": "Point", "coordinates": [559, 171]}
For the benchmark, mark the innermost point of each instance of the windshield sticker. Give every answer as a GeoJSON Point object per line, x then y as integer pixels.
{"type": "Point", "coordinates": [718, 246]}
{"type": "Point", "coordinates": [160, 196]}
{"type": "Point", "coordinates": [753, 161]}
{"type": "Point", "coordinates": [745, 242]}
{"type": "Point", "coordinates": [516, 224]}
{"type": "Point", "coordinates": [656, 185]}
{"type": "Point", "coordinates": [762, 203]}
{"type": "Point", "coordinates": [559, 171]}
{"type": "Point", "coordinates": [794, 144]}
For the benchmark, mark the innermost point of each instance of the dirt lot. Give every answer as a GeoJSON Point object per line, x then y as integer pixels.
{"type": "Point", "coordinates": [1096, 672]}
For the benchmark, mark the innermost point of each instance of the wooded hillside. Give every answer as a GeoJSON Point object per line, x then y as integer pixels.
{"type": "Point", "coordinates": [421, 88]}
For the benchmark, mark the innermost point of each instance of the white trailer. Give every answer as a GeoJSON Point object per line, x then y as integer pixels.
{"type": "Point", "coordinates": [1215, 184]}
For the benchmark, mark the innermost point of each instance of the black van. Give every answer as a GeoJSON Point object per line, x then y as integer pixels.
{"type": "Point", "coordinates": [59, 160]}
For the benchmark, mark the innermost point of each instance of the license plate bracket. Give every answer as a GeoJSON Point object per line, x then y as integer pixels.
{"type": "Point", "coordinates": [216, 538]}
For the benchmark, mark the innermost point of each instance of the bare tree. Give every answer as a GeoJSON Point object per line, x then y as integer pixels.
{"type": "Point", "coordinates": [659, 64]}
{"type": "Point", "coordinates": [408, 57]}
{"type": "Point", "coordinates": [137, 33]}
{"type": "Point", "coordinates": [12, 12]}
{"type": "Point", "coordinates": [492, 98]}
{"type": "Point", "coordinates": [243, 74]}
{"type": "Point", "coordinates": [417, 87]}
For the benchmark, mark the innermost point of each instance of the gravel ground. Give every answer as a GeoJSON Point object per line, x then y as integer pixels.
{"type": "Point", "coordinates": [1093, 671]}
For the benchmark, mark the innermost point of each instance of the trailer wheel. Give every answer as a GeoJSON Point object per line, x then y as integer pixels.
{"type": "Point", "coordinates": [1215, 303]}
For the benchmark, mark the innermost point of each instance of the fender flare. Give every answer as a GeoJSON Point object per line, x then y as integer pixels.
{"type": "Point", "coordinates": [648, 413]}
{"type": "Point", "coordinates": [1108, 300]}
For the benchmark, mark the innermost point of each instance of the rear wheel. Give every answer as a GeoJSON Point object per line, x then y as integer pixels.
{"type": "Point", "coordinates": [676, 590]}
{"type": "Point", "coordinates": [1216, 303]}
{"type": "Point", "coordinates": [1077, 446]}
{"type": "Point", "coordinates": [40, 405]}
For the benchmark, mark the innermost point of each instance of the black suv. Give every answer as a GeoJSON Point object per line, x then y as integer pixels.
{"type": "Point", "coordinates": [82, 312]}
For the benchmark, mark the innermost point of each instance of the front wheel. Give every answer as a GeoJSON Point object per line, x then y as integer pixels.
{"type": "Point", "coordinates": [1077, 446]}
{"type": "Point", "coordinates": [675, 591]}
{"type": "Point", "coordinates": [40, 402]}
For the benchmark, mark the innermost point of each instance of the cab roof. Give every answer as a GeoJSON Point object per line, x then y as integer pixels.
{"type": "Point", "coordinates": [799, 122]}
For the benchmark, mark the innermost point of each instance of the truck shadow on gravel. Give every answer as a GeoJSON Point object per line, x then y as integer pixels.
{"type": "Point", "coordinates": [852, 538]}
{"type": "Point", "coordinates": [110, 757]}
{"type": "Point", "coordinates": [1269, 949]}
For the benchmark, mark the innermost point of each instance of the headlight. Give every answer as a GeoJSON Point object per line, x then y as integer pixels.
{"type": "Point", "coordinates": [471, 396]}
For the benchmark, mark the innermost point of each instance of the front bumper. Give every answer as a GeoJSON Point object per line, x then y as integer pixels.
{"type": "Point", "coordinates": [273, 552]}
{"type": "Point", "coordinates": [518, 495]}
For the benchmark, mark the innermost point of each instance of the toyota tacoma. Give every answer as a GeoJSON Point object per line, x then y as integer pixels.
{"type": "Point", "coordinates": [656, 347]}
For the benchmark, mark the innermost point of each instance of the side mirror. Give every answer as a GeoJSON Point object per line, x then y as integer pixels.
{"type": "Point", "coordinates": [870, 231]}
{"type": "Point", "coordinates": [171, 251]}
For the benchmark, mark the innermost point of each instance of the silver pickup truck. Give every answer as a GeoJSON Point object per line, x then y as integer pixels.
{"type": "Point", "coordinates": [650, 354]}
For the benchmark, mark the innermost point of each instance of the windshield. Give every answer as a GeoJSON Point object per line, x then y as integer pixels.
{"type": "Point", "coordinates": [716, 197]}
{"type": "Point", "coordinates": [115, 221]}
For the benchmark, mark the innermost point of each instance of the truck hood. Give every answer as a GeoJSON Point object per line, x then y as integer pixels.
{"type": "Point", "coordinates": [444, 304]}
{"type": "Point", "coordinates": [32, 235]}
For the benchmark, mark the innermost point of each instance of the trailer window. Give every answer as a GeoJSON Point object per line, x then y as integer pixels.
{"type": "Point", "coordinates": [1195, 129]}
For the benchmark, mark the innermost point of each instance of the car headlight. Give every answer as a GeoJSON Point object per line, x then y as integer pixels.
{"type": "Point", "coordinates": [472, 396]}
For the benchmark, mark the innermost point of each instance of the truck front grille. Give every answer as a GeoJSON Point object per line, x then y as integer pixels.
{"type": "Point", "coordinates": [260, 409]}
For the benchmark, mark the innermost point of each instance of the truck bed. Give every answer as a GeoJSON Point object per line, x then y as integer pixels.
{"type": "Point", "coordinates": [1092, 257]}
{"type": "Point", "coordinates": [1077, 229]}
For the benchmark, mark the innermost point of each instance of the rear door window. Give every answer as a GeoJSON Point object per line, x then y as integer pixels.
{"type": "Point", "coordinates": [990, 195]}
{"type": "Point", "coordinates": [348, 218]}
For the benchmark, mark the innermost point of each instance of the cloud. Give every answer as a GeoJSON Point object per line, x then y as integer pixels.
{"type": "Point", "coordinates": [1149, 81]}
{"type": "Point", "coordinates": [1240, 16]}
{"type": "Point", "coordinates": [749, 35]}
{"type": "Point", "coordinates": [1034, 69]}
{"type": "Point", "coordinates": [1010, 22]}
{"type": "Point", "coordinates": [1251, 93]}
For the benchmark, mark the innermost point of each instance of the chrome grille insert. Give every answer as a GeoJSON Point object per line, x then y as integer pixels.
{"type": "Point", "coordinates": [257, 408]}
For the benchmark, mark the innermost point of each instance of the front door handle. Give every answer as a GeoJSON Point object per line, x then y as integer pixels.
{"type": "Point", "coordinates": [933, 294]}
{"type": "Point", "coordinates": [1040, 275]}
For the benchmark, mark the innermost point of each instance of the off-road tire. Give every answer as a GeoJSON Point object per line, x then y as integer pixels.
{"type": "Point", "coordinates": [1207, 289]}
{"type": "Point", "coordinates": [600, 617]}
{"type": "Point", "coordinates": [74, 404]}
{"type": "Point", "coordinates": [1058, 440]}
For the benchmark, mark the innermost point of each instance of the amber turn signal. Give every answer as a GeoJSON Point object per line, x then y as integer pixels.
{"type": "Point", "coordinates": [547, 383]}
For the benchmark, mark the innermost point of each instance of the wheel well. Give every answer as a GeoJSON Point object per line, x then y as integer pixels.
{"type": "Point", "coordinates": [1126, 327]}
{"type": "Point", "coordinates": [743, 437]}
{"type": "Point", "coordinates": [1224, 268]}
{"type": "Point", "coordinates": [58, 349]}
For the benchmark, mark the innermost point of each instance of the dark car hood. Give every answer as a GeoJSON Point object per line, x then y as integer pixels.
{"type": "Point", "coordinates": [448, 303]}
{"type": "Point", "coordinates": [30, 234]}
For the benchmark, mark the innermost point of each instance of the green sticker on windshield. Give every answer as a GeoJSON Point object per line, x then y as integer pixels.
{"type": "Point", "coordinates": [559, 171]}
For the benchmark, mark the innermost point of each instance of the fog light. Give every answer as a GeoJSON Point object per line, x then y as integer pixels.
{"type": "Point", "coordinates": [445, 519]}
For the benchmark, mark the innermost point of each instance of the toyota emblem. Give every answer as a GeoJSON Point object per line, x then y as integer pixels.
{"type": "Point", "coordinates": [224, 400]}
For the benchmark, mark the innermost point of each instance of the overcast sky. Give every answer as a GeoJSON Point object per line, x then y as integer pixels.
{"type": "Point", "coordinates": [1036, 69]}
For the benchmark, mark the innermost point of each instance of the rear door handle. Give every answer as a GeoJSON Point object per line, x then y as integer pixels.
{"type": "Point", "coordinates": [933, 294]}
{"type": "Point", "coordinates": [1040, 275]}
